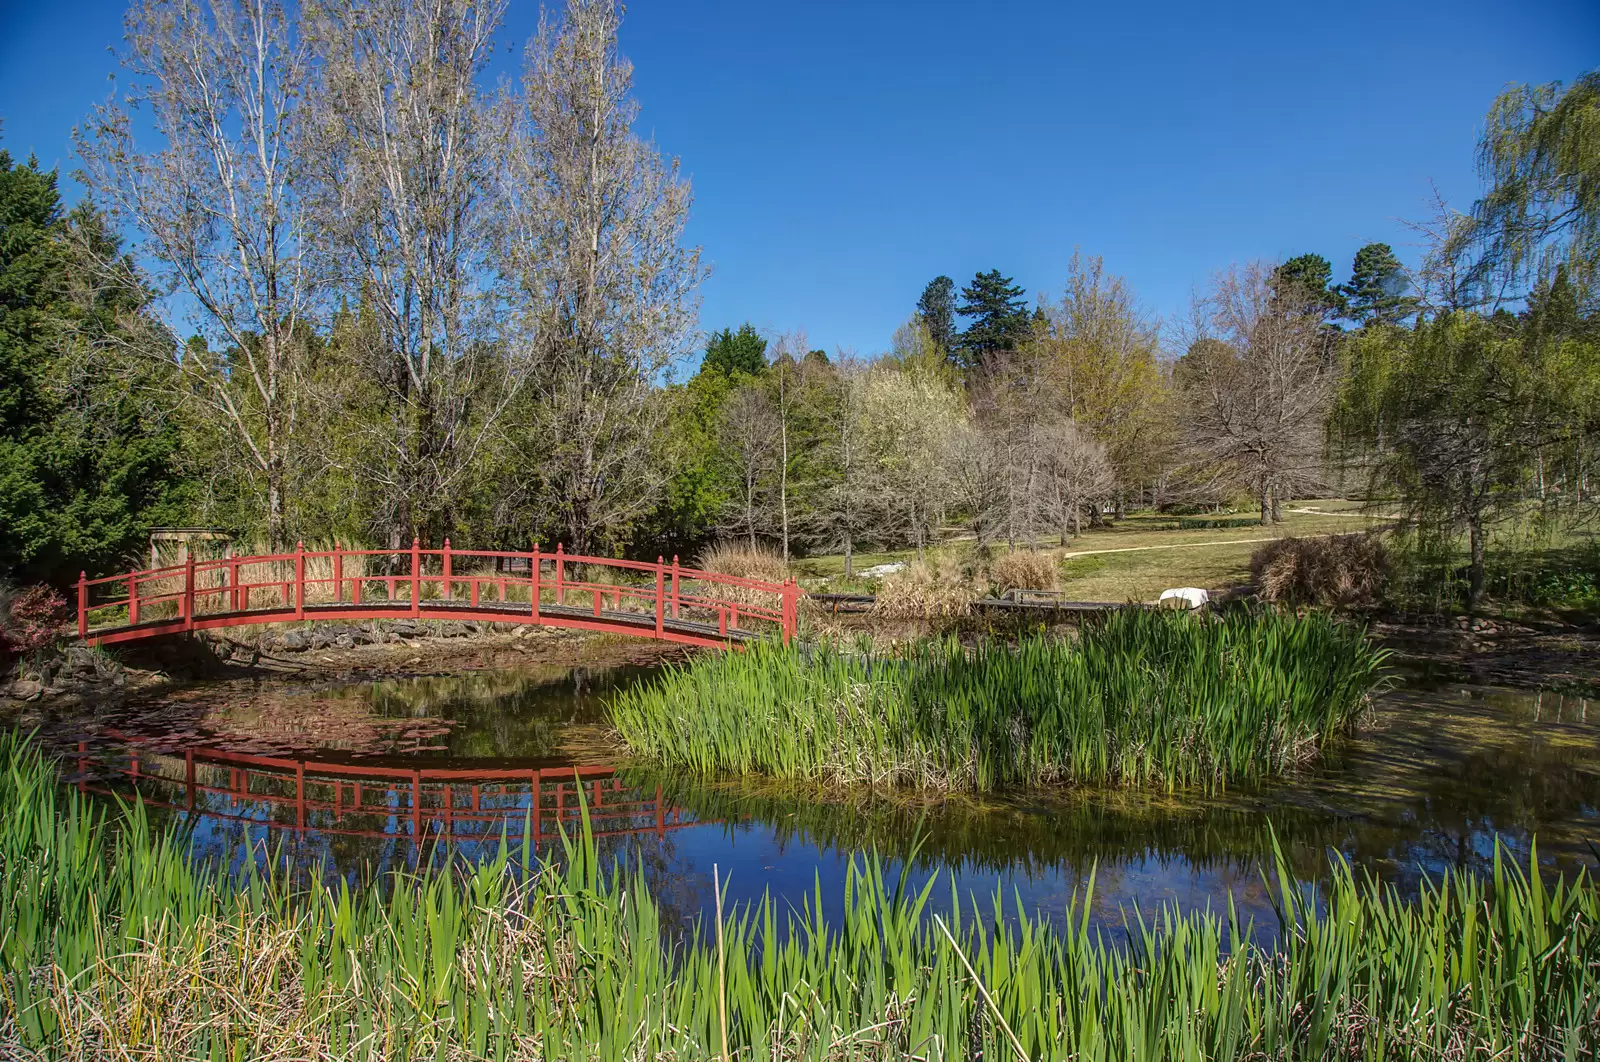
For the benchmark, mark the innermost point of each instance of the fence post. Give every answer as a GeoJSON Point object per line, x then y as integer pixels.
{"type": "Point", "coordinates": [241, 597]}
{"type": "Point", "coordinates": [674, 586]}
{"type": "Point", "coordinates": [661, 596]}
{"type": "Point", "coordinates": [416, 575]}
{"type": "Point", "coordinates": [560, 588]}
{"type": "Point", "coordinates": [133, 599]}
{"type": "Point", "coordinates": [788, 609]}
{"type": "Point", "coordinates": [188, 593]}
{"type": "Point", "coordinates": [338, 574]}
{"type": "Point", "coordinates": [299, 580]}
{"type": "Point", "coordinates": [445, 593]}
{"type": "Point", "coordinates": [83, 604]}
{"type": "Point", "coordinates": [535, 563]}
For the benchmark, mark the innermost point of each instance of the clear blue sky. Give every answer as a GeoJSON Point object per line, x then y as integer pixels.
{"type": "Point", "coordinates": [845, 153]}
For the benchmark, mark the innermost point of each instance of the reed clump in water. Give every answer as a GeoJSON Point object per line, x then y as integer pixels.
{"type": "Point", "coordinates": [1142, 698]}
{"type": "Point", "coordinates": [115, 943]}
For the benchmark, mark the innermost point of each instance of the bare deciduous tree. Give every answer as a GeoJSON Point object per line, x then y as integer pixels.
{"type": "Point", "coordinates": [219, 203]}
{"type": "Point", "coordinates": [1257, 387]}
{"type": "Point", "coordinates": [915, 420]}
{"type": "Point", "coordinates": [407, 158]}
{"type": "Point", "coordinates": [594, 219]}
{"type": "Point", "coordinates": [748, 433]}
{"type": "Point", "coordinates": [1077, 474]}
{"type": "Point", "coordinates": [1100, 358]}
{"type": "Point", "coordinates": [850, 506]}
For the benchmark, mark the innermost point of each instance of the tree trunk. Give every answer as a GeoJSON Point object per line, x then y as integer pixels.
{"type": "Point", "coordinates": [277, 523]}
{"type": "Point", "coordinates": [849, 557]}
{"type": "Point", "coordinates": [1475, 550]}
{"type": "Point", "coordinates": [1266, 506]}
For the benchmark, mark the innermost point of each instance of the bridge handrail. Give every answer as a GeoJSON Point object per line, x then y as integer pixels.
{"type": "Point", "coordinates": [199, 586]}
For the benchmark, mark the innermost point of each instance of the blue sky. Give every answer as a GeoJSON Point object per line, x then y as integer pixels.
{"type": "Point", "coordinates": [843, 154]}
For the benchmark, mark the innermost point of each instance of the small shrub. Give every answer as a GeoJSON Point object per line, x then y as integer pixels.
{"type": "Point", "coordinates": [31, 620]}
{"type": "Point", "coordinates": [1344, 571]}
{"type": "Point", "coordinates": [1217, 523]}
{"type": "Point", "coordinates": [1023, 569]}
{"type": "Point", "coordinates": [929, 589]}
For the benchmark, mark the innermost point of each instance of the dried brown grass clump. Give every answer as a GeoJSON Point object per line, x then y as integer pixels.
{"type": "Point", "coordinates": [1343, 571]}
{"type": "Point", "coordinates": [743, 561]}
{"type": "Point", "coordinates": [1026, 569]}
{"type": "Point", "coordinates": [932, 589]}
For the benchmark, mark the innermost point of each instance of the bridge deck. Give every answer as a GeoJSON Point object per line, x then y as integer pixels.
{"type": "Point", "coordinates": [685, 631]}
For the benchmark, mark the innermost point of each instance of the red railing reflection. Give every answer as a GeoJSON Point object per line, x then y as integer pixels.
{"type": "Point", "coordinates": [424, 804]}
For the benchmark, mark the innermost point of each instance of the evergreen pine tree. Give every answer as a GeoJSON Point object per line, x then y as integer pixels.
{"type": "Point", "coordinates": [937, 308]}
{"type": "Point", "coordinates": [1000, 318]}
{"type": "Point", "coordinates": [85, 466]}
{"type": "Point", "coordinates": [736, 353]}
{"type": "Point", "coordinates": [1379, 288]}
{"type": "Point", "coordinates": [1310, 277]}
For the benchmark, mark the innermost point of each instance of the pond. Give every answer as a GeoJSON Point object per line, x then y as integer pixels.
{"type": "Point", "coordinates": [355, 778]}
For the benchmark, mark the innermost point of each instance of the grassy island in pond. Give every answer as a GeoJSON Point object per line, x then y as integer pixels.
{"type": "Point", "coordinates": [1141, 698]}
{"type": "Point", "coordinates": [116, 943]}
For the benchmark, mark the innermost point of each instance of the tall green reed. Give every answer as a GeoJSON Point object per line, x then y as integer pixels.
{"type": "Point", "coordinates": [114, 943]}
{"type": "Point", "coordinates": [1142, 698]}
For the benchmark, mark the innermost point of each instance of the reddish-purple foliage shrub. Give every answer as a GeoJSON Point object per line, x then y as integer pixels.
{"type": "Point", "coordinates": [32, 621]}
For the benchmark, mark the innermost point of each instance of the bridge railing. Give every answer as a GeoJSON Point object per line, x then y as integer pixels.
{"type": "Point", "coordinates": [532, 586]}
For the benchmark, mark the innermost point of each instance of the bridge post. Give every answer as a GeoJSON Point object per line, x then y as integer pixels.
{"type": "Point", "coordinates": [133, 599]}
{"type": "Point", "coordinates": [188, 593]}
{"type": "Point", "coordinates": [535, 562]}
{"type": "Point", "coordinates": [241, 597]}
{"type": "Point", "coordinates": [299, 580]}
{"type": "Point", "coordinates": [560, 561]}
{"type": "Point", "coordinates": [83, 604]}
{"type": "Point", "coordinates": [338, 574]}
{"type": "Point", "coordinates": [416, 576]}
{"type": "Point", "coordinates": [445, 593]}
{"type": "Point", "coordinates": [789, 609]}
{"type": "Point", "coordinates": [661, 596]}
{"type": "Point", "coordinates": [674, 586]}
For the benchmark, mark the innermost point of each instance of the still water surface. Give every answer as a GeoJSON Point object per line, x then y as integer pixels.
{"type": "Point", "coordinates": [345, 779]}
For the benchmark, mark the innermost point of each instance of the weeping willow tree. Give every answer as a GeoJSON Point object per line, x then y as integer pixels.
{"type": "Point", "coordinates": [1540, 158]}
{"type": "Point", "coordinates": [1481, 416]}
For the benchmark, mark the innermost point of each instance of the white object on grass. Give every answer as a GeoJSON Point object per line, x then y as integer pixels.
{"type": "Point", "coordinates": [1191, 596]}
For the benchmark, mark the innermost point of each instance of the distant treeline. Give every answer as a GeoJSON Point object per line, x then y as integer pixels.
{"type": "Point", "coordinates": [367, 298]}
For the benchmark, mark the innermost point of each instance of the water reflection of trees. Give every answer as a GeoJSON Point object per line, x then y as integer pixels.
{"type": "Point", "coordinates": [1030, 837]}
{"type": "Point", "coordinates": [505, 715]}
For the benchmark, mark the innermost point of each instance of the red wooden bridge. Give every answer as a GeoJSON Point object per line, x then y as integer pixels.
{"type": "Point", "coordinates": [459, 804]}
{"type": "Point", "coordinates": [664, 600]}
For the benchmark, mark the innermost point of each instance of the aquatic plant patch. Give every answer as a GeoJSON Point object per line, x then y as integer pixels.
{"type": "Point", "coordinates": [1142, 698]}
{"type": "Point", "coordinates": [116, 943]}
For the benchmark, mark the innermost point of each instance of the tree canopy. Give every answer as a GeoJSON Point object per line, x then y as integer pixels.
{"type": "Point", "coordinates": [937, 309]}
{"type": "Point", "coordinates": [87, 461]}
{"type": "Point", "coordinates": [734, 353]}
{"type": "Point", "coordinates": [999, 316]}
{"type": "Point", "coordinates": [1379, 290]}
{"type": "Point", "coordinates": [1540, 158]}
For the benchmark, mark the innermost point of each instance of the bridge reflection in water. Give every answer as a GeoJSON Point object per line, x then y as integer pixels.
{"type": "Point", "coordinates": [458, 805]}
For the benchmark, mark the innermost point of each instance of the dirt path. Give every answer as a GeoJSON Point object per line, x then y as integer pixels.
{"type": "Point", "coordinates": [1171, 545]}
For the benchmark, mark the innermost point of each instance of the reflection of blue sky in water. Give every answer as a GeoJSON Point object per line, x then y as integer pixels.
{"type": "Point", "coordinates": [1442, 773]}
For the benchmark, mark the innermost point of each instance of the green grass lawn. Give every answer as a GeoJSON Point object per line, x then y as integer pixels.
{"type": "Point", "coordinates": [1161, 554]}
